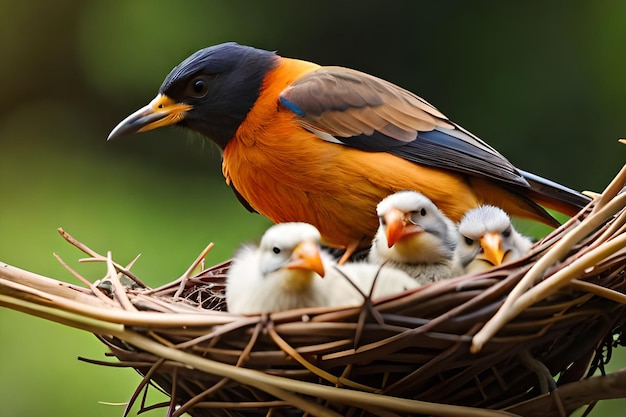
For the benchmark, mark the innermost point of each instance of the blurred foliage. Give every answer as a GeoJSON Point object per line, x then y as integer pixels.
{"type": "Point", "coordinates": [543, 82]}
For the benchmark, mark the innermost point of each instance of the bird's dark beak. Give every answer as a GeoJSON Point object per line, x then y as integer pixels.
{"type": "Point", "coordinates": [399, 226]}
{"type": "Point", "coordinates": [162, 111]}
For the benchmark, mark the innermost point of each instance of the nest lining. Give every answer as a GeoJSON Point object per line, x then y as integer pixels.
{"type": "Point", "coordinates": [492, 343]}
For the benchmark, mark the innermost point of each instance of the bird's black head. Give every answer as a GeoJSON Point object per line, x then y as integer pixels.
{"type": "Point", "coordinates": [211, 92]}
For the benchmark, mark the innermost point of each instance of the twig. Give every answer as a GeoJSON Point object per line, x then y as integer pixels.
{"type": "Point", "coordinates": [118, 289]}
{"type": "Point", "coordinates": [143, 384]}
{"type": "Point", "coordinates": [598, 290]}
{"type": "Point", "coordinates": [285, 347]}
{"type": "Point", "coordinates": [564, 276]}
{"type": "Point", "coordinates": [198, 398]}
{"type": "Point", "coordinates": [183, 279]}
{"type": "Point", "coordinates": [99, 257]}
{"type": "Point", "coordinates": [62, 295]}
{"type": "Point", "coordinates": [611, 190]}
{"type": "Point", "coordinates": [132, 263]}
{"type": "Point", "coordinates": [95, 290]}
{"type": "Point", "coordinates": [55, 293]}
{"type": "Point", "coordinates": [223, 329]}
{"type": "Point", "coordinates": [172, 405]}
{"type": "Point", "coordinates": [546, 382]}
{"type": "Point", "coordinates": [76, 320]}
{"type": "Point", "coordinates": [575, 395]}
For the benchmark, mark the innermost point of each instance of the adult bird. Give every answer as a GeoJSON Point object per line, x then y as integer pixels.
{"type": "Point", "coordinates": [416, 237]}
{"type": "Point", "coordinates": [323, 145]}
{"type": "Point", "coordinates": [289, 270]}
{"type": "Point", "coordinates": [488, 239]}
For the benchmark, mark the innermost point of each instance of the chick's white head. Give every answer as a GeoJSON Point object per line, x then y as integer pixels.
{"type": "Point", "coordinates": [292, 246]}
{"type": "Point", "coordinates": [413, 230]}
{"type": "Point", "coordinates": [488, 237]}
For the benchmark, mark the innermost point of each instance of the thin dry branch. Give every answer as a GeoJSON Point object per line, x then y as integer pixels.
{"type": "Point", "coordinates": [96, 256]}
{"type": "Point", "coordinates": [94, 290]}
{"type": "Point", "coordinates": [24, 285]}
{"type": "Point", "coordinates": [611, 190]}
{"type": "Point", "coordinates": [575, 395]}
{"type": "Point", "coordinates": [192, 267]}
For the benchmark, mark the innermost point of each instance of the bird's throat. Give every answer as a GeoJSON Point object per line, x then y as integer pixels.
{"type": "Point", "coordinates": [298, 281]}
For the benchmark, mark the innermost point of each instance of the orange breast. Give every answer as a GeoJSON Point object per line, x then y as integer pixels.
{"type": "Point", "coordinates": [288, 174]}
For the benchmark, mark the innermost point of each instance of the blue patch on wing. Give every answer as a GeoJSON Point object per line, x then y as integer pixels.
{"type": "Point", "coordinates": [292, 106]}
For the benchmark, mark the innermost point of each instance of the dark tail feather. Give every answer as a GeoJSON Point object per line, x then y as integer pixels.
{"type": "Point", "coordinates": [554, 195]}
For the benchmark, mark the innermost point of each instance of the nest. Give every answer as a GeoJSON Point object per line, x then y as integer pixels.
{"type": "Point", "coordinates": [522, 339]}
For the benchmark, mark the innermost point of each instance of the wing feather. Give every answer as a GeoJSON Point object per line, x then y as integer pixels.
{"type": "Point", "coordinates": [346, 106]}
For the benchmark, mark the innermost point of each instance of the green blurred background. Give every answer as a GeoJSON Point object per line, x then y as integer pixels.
{"type": "Point", "coordinates": [544, 83]}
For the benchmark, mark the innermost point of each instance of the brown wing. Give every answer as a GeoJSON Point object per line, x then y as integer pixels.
{"type": "Point", "coordinates": [359, 110]}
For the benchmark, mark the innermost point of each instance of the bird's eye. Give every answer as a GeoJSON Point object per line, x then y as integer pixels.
{"type": "Point", "coordinates": [468, 241]}
{"type": "Point", "coordinates": [423, 212]}
{"type": "Point", "coordinates": [507, 232]}
{"type": "Point", "coordinates": [383, 222]}
{"type": "Point", "coordinates": [198, 87]}
{"type": "Point", "coordinates": [276, 250]}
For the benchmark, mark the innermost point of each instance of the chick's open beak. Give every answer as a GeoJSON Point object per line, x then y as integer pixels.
{"type": "Point", "coordinates": [492, 247]}
{"type": "Point", "coordinates": [162, 111]}
{"type": "Point", "coordinates": [399, 226]}
{"type": "Point", "coordinates": [306, 255]}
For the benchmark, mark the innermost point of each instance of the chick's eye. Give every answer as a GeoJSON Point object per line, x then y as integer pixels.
{"type": "Point", "coordinates": [198, 87]}
{"type": "Point", "coordinates": [383, 222]}
{"type": "Point", "coordinates": [468, 241]}
{"type": "Point", "coordinates": [423, 212]}
{"type": "Point", "coordinates": [276, 250]}
{"type": "Point", "coordinates": [506, 233]}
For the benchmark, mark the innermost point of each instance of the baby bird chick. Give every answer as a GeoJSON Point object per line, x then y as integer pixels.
{"type": "Point", "coordinates": [284, 272]}
{"type": "Point", "coordinates": [488, 239]}
{"type": "Point", "coordinates": [416, 237]}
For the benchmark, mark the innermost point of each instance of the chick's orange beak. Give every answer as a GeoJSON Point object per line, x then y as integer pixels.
{"type": "Point", "coordinates": [492, 247]}
{"type": "Point", "coordinates": [162, 111]}
{"type": "Point", "coordinates": [306, 255]}
{"type": "Point", "coordinates": [399, 226]}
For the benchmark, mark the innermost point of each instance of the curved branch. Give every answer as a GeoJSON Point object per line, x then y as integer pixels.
{"type": "Point", "coordinates": [575, 395]}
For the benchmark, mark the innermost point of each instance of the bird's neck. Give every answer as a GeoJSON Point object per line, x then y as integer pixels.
{"type": "Point", "coordinates": [422, 248]}
{"type": "Point", "coordinates": [267, 110]}
{"type": "Point", "coordinates": [297, 281]}
{"type": "Point", "coordinates": [268, 125]}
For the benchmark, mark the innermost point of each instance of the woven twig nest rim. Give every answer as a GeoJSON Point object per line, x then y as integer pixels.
{"type": "Point", "coordinates": [474, 345]}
